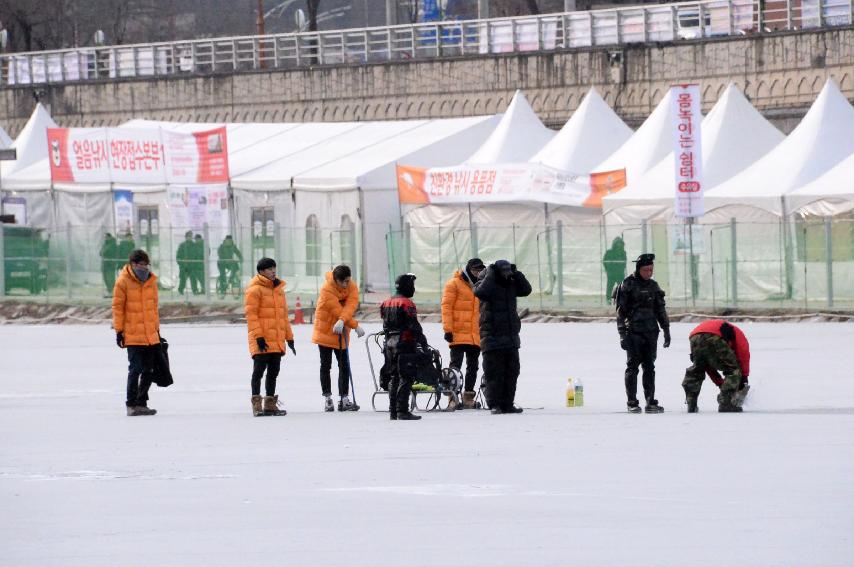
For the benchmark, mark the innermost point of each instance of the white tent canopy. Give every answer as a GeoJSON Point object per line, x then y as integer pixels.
{"type": "Point", "coordinates": [824, 137]}
{"type": "Point", "coordinates": [828, 195]}
{"type": "Point", "coordinates": [516, 138]}
{"type": "Point", "coordinates": [5, 140]}
{"type": "Point", "coordinates": [593, 133]}
{"type": "Point", "coordinates": [31, 143]}
{"type": "Point", "coordinates": [651, 142]}
{"type": "Point", "coordinates": [734, 136]}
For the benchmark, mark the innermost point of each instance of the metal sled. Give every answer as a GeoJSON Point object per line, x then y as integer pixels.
{"type": "Point", "coordinates": [436, 396]}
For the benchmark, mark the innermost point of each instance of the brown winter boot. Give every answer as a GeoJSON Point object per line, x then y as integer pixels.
{"type": "Point", "coordinates": [271, 406]}
{"type": "Point", "coordinates": [256, 406]}
{"type": "Point", "coordinates": [453, 404]}
{"type": "Point", "coordinates": [468, 400]}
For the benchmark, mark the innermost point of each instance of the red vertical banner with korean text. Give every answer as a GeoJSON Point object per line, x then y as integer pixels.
{"type": "Point", "coordinates": [687, 151]}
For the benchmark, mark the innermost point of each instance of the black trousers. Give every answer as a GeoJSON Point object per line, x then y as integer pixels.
{"type": "Point", "coordinates": [472, 354]}
{"type": "Point", "coordinates": [400, 384]}
{"type": "Point", "coordinates": [326, 368]}
{"type": "Point", "coordinates": [501, 372]}
{"type": "Point", "coordinates": [140, 365]}
{"type": "Point", "coordinates": [643, 348]}
{"type": "Point", "coordinates": [271, 362]}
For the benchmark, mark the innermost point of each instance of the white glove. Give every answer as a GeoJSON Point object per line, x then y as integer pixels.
{"type": "Point", "coordinates": [360, 332]}
{"type": "Point", "coordinates": [338, 328]}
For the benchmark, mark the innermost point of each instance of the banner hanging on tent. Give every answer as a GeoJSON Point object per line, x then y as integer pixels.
{"type": "Point", "coordinates": [687, 151]}
{"type": "Point", "coordinates": [123, 207]}
{"type": "Point", "coordinates": [505, 183]}
{"type": "Point", "coordinates": [138, 156]}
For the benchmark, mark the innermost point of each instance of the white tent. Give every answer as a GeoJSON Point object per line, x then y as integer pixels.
{"type": "Point", "coordinates": [444, 236]}
{"type": "Point", "coordinates": [31, 143]}
{"type": "Point", "coordinates": [823, 138]}
{"type": "Point", "coordinates": [517, 137]}
{"type": "Point", "coordinates": [651, 142]}
{"type": "Point", "coordinates": [5, 140]}
{"type": "Point", "coordinates": [593, 133]}
{"type": "Point", "coordinates": [347, 177]}
{"type": "Point", "coordinates": [734, 136]}
{"type": "Point", "coordinates": [828, 195]}
{"type": "Point", "coordinates": [296, 187]}
{"type": "Point", "coordinates": [31, 201]}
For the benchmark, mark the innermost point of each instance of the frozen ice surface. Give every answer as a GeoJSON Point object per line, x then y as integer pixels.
{"type": "Point", "coordinates": [204, 482]}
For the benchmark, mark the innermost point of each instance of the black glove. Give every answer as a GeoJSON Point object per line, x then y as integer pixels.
{"type": "Point", "coordinates": [449, 337]}
{"type": "Point", "coordinates": [120, 339]}
{"type": "Point", "coordinates": [291, 346]}
{"type": "Point", "coordinates": [262, 344]}
{"type": "Point", "coordinates": [666, 338]}
{"type": "Point", "coordinates": [624, 342]}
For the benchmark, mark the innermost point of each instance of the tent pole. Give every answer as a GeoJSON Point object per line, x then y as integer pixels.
{"type": "Point", "coordinates": [734, 260]}
{"type": "Point", "coordinates": [828, 243]}
{"type": "Point", "coordinates": [363, 268]}
{"type": "Point", "coordinates": [787, 248]}
{"type": "Point", "coordinates": [560, 263]}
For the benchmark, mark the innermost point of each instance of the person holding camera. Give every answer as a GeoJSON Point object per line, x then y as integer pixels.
{"type": "Point", "coordinates": [497, 288]}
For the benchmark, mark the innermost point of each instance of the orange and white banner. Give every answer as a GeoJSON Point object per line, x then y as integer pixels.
{"type": "Point", "coordinates": [128, 155]}
{"type": "Point", "coordinates": [688, 151]}
{"type": "Point", "coordinates": [512, 182]}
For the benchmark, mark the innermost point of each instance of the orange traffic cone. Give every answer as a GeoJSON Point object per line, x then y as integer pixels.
{"type": "Point", "coordinates": [298, 317]}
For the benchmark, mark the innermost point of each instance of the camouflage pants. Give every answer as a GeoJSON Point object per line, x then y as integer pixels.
{"type": "Point", "coordinates": [711, 352]}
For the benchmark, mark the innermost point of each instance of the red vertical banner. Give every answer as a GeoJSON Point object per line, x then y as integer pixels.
{"type": "Point", "coordinates": [60, 166]}
{"type": "Point", "coordinates": [213, 156]}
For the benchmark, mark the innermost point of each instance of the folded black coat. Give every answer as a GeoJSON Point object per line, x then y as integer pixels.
{"type": "Point", "coordinates": [159, 372]}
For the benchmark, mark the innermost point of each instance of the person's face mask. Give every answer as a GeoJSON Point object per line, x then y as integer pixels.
{"type": "Point", "coordinates": [141, 271]}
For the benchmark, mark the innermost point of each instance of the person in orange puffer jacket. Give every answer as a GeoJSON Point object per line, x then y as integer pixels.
{"type": "Point", "coordinates": [269, 328]}
{"type": "Point", "coordinates": [461, 324]}
{"type": "Point", "coordinates": [333, 319]}
{"type": "Point", "coordinates": [137, 325]}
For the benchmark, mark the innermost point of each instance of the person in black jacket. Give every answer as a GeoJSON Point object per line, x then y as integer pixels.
{"type": "Point", "coordinates": [497, 288]}
{"type": "Point", "coordinates": [640, 311]}
{"type": "Point", "coordinates": [405, 344]}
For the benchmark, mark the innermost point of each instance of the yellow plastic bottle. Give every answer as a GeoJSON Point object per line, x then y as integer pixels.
{"type": "Point", "coordinates": [570, 394]}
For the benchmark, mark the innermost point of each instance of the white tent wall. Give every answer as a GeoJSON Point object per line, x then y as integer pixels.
{"type": "Point", "coordinates": [583, 245]}
{"type": "Point", "coordinates": [158, 242]}
{"type": "Point", "coordinates": [38, 205]}
{"type": "Point", "coordinates": [317, 252]}
{"type": "Point", "coordinates": [428, 242]}
{"type": "Point", "coordinates": [82, 218]}
{"type": "Point", "coordinates": [262, 226]}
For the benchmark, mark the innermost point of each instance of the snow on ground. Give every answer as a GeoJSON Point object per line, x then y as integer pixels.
{"type": "Point", "coordinates": [203, 482]}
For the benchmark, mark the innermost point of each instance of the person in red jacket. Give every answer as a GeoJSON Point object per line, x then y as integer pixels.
{"type": "Point", "coordinates": [717, 345]}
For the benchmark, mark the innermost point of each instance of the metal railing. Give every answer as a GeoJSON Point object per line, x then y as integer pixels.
{"type": "Point", "coordinates": [664, 22]}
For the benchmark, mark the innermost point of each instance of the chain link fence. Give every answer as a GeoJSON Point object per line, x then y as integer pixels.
{"type": "Point", "coordinates": [802, 263]}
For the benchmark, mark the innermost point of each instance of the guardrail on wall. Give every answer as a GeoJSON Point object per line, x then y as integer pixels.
{"type": "Point", "coordinates": [664, 22]}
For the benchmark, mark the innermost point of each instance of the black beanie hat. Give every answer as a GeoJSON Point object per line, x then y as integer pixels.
{"type": "Point", "coordinates": [405, 285]}
{"type": "Point", "coordinates": [474, 263]}
{"type": "Point", "coordinates": [265, 263]}
{"type": "Point", "coordinates": [645, 260]}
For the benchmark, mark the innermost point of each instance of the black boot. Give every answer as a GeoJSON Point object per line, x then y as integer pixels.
{"type": "Point", "coordinates": [692, 405]}
{"type": "Point", "coordinates": [633, 406]}
{"type": "Point", "coordinates": [652, 406]}
{"type": "Point", "coordinates": [406, 416]}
